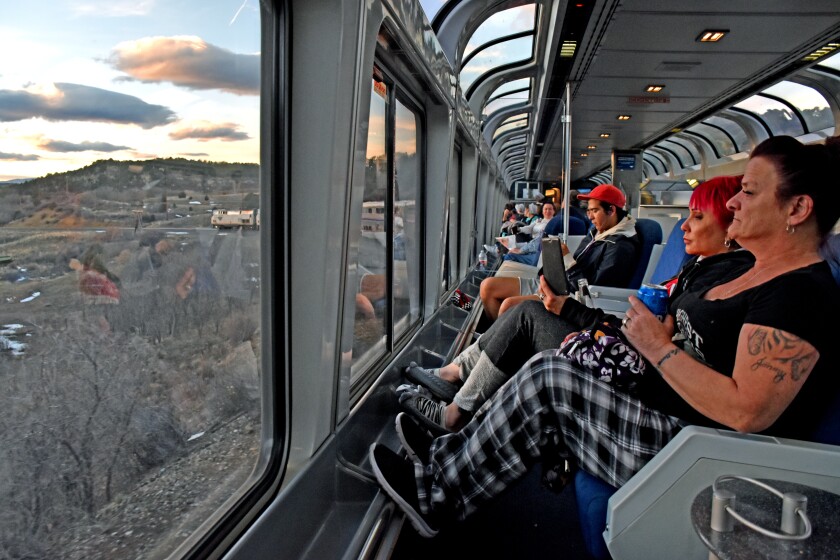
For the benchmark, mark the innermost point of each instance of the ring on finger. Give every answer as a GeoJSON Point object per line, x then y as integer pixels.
{"type": "Point", "coordinates": [542, 297]}
{"type": "Point", "coordinates": [625, 321]}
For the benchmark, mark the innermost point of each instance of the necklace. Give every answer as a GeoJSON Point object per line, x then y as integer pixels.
{"type": "Point", "coordinates": [742, 283]}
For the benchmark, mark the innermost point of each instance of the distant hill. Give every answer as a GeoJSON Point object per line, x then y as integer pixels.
{"type": "Point", "coordinates": [109, 192]}
{"type": "Point", "coordinates": [163, 175]}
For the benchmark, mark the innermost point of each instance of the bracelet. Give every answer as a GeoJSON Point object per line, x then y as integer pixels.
{"type": "Point", "coordinates": [673, 352]}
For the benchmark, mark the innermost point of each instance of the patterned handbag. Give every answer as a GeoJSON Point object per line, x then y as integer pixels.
{"type": "Point", "coordinates": [605, 352]}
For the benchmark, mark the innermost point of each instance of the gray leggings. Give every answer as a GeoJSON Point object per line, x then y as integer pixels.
{"type": "Point", "coordinates": [512, 340]}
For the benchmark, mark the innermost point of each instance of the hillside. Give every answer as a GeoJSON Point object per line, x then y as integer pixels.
{"type": "Point", "coordinates": [116, 193]}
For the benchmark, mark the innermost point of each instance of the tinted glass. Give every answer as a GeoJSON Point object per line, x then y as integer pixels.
{"type": "Point", "coordinates": [506, 52]}
{"type": "Point", "coordinates": [369, 329]}
{"type": "Point", "coordinates": [832, 61]}
{"type": "Point", "coordinates": [721, 141]}
{"type": "Point", "coordinates": [777, 115]}
{"type": "Point", "coordinates": [811, 104]}
{"type": "Point", "coordinates": [407, 242]}
{"type": "Point", "coordinates": [734, 130]}
{"type": "Point", "coordinates": [432, 7]}
{"type": "Point", "coordinates": [511, 125]}
{"type": "Point", "coordinates": [130, 335]}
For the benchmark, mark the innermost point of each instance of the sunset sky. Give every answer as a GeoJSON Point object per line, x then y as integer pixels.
{"type": "Point", "coordinates": [82, 80]}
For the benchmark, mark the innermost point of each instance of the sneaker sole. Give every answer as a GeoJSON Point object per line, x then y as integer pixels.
{"type": "Point", "coordinates": [413, 515]}
{"type": "Point", "coordinates": [441, 389]}
{"type": "Point", "coordinates": [404, 442]}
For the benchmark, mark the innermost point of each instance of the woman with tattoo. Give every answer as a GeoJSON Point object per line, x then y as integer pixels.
{"type": "Point", "coordinates": [755, 359]}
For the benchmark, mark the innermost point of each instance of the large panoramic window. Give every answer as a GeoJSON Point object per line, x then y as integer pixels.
{"type": "Point", "coordinates": [130, 246]}
{"type": "Point", "coordinates": [503, 38]}
{"type": "Point", "coordinates": [809, 102]}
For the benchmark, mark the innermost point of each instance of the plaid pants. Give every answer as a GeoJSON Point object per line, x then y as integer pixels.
{"type": "Point", "coordinates": [549, 406]}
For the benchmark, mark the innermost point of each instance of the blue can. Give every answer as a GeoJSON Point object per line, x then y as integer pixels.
{"type": "Point", "coordinates": [655, 298]}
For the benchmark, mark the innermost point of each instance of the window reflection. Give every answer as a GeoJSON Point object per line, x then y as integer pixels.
{"type": "Point", "coordinates": [371, 300]}
{"type": "Point", "coordinates": [407, 170]}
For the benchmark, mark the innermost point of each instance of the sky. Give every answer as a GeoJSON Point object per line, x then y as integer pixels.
{"type": "Point", "coordinates": [127, 80]}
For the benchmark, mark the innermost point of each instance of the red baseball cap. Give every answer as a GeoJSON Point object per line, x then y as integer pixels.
{"type": "Point", "coordinates": [606, 193]}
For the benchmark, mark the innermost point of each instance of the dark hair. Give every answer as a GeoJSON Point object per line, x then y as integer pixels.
{"type": "Point", "coordinates": [806, 170]}
{"type": "Point", "coordinates": [510, 206]}
{"type": "Point", "coordinates": [610, 208]}
{"type": "Point", "coordinates": [549, 202]}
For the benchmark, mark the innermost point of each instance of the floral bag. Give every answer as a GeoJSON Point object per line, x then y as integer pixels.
{"type": "Point", "coordinates": [605, 352]}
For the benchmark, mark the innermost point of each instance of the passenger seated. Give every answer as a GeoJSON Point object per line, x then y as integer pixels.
{"type": "Point", "coordinates": [606, 257]}
{"type": "Point", "coordinates": [510, 342]}
{"type": "Point", "coordinates": [753, 360]}
{"type": "Point", "coordinates": [528, 253]}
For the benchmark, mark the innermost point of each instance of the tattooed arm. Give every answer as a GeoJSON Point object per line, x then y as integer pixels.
{"type": "Point", "coordinates": [770, 367]}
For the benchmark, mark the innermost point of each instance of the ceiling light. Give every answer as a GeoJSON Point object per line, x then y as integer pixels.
{"type": "Point", "coordinates": [655, 88]}
{"type": "Point", "coordinates": [692, 182]}
{"type": "Point", "coordinates": [623, 117]}
{"type": "Point", "coordinates": [575, 162]}
{"type": "Point", "coordinates": [822, 52]}
{"type": "Point", "coordinates": [584, 154]}
{"type": "Point", "coordinates": [675, 130]}
{"type": "Point", "coordinates": [591, 147]}
{"type": "Point", "coordinates": [604, 135]}
{"type": "Point", "coordinates": [567, 49]}
{"type": "Point", "coordinates": [711, 35]}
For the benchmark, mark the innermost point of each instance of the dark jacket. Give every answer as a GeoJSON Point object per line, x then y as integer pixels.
{"type": "Point", "coordinates": [608, 262]}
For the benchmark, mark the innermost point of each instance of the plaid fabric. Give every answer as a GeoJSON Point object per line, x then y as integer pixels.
{"type": "Point", "coordinates": [549, 406]}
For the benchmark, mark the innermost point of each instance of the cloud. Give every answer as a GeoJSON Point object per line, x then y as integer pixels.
{"type": "Point", "coordinates": [75, 102]}
{"type": "Point", "coordinates": [227, 132]}
{"type": "Point", "coordinates": [187, 61]}
{"type": "Point", "coordinates": [18, 157]}
{"type": "Point", "coordinates": [86, 146]}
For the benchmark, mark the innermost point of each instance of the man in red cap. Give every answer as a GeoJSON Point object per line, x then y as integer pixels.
{"type": "Point", "coordinates": [608, 254]}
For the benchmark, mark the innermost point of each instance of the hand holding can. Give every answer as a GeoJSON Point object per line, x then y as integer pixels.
{"type": "Point", "coordinates": [655, 298]}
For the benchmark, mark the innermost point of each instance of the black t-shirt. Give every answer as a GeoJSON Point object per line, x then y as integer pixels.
{"type": "Point", "coordinates": [803, 302]}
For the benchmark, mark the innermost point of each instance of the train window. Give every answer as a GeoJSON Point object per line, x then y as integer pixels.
{"type": "Point", "coordinates": [432, 7]}
{"type": "Point", "coordinates": [407, 241]}
{"type": "Point", "coordinates": [129, 327]}
{"type": "Point", "coordinates": [507, 94]}
{"type": "Point", "coordinates": [499, 41]}
{"type": "Point", "coordinates": [519, 140]}
{"type": "Point", "coordinates": [452, 265]}
{"type": "Point", "coordinates": [722, 142]}
{"type": "Point", "coordinates": [390, 244]}
{"type": "Point", "coordinates": [733, 129]}
{"type": "Point", "coordinates": [369, 331]}
{"type": "Point", "coordinates": [809, 102]}
{"type": "Point", "coordinates": [511, 124]}
{"type": "Point", "coordinates": [832, 61]}
{"type": "Point", "coordinates": [680, 155]}
{"type": "Point", "coordinates": [775, 114]}
{"type": "Point", "coordinates": [687, 148]}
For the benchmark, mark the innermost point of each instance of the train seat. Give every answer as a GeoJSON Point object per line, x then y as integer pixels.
{"type": "Point", "coordinates": [650, 233]}
{"type": "Point", "coordinates": [593, 495]}
{"type": "Point", "coordinates": [673, 257]}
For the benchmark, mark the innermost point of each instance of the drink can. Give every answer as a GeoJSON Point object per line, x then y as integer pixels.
{"type": "Point", "coordinates": [655, 298]}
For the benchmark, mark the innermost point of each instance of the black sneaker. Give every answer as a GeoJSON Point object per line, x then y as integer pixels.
{"type": "Point", "coordinates": [440, 388]}
{"type": "Point", "coordinates": [415, 440]}
{"type": "Point", "coordinates": [396, 476]}
{"type": "Point", "coordinates": [428, 412]}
